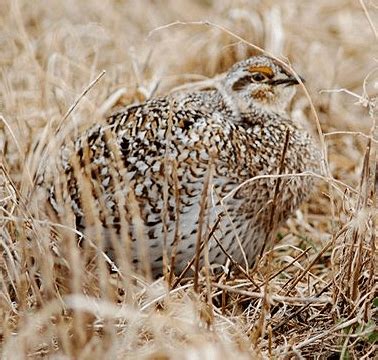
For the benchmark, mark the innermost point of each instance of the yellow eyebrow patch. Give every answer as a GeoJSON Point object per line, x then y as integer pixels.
{"type": "Point", "coordinates": [266, 70]}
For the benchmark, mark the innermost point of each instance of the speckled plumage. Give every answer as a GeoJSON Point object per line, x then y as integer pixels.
{"type": "Point", "coordinates": [169, 142]}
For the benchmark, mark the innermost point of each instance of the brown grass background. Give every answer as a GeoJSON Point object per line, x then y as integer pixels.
{"type": "Point", "coordinates": [314, 292]}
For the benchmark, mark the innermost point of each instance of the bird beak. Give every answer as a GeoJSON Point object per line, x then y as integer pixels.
{"type": "Point", "coordinates": [294, 81]}
{"type": "Point", "coordinates": [289, 81]}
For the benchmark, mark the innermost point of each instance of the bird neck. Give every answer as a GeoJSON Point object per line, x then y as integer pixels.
{"type": "Point", "coordinates": [247, 111]}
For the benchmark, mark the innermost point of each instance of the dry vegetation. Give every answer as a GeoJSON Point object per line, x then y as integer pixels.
{"type": "Point", "coordinates": [312, 296]}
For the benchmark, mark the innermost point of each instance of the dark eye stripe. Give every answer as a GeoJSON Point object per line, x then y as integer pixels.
{"type": "Point", "coordinates": [242, 82]}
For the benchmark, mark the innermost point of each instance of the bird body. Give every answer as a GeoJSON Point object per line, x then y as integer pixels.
{"type": "Point", "coordinates": [158, 155]}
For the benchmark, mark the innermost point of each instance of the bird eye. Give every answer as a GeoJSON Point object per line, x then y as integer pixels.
{"type": "Point", "coordinates": [258, 77]}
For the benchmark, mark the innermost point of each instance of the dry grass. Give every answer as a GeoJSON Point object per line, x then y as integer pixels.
{"type": "Point", "coordinates": [312, 296]}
